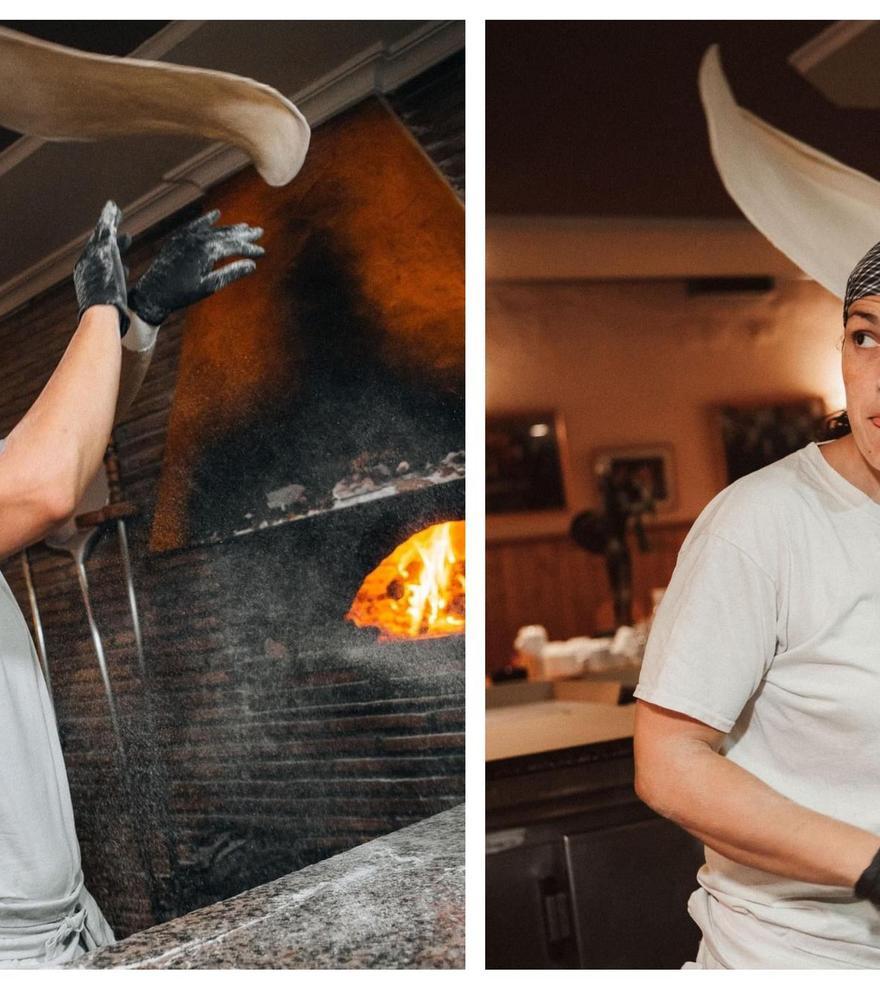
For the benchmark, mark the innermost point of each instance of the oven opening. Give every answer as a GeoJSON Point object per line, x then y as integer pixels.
{"type": "Point", "coordinates": [418, 590]}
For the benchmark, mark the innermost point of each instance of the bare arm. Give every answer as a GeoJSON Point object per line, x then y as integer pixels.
{"type": "Point", "coordinates": [54, 451]}
{"type": "Point", "coordinates": [681, 774]}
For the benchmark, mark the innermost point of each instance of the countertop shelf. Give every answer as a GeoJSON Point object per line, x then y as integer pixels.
{"type": "Point", "coordinates": [554, 758]}
{"type": "Point", "coordinates": [396, 902]}
{"type": "Point", "coordinates": [542, 726]}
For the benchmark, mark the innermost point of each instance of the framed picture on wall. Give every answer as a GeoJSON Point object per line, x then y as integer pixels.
{"type": "Point", "coordinates": [525, 457]}
{"type": "Point", "coordinates": [756, 434]}
{"type": "Point", "coordinates": [649, 467]}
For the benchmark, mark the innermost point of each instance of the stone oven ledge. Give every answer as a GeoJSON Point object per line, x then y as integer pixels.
{"type": "Point", "coordinates": [395, 902]}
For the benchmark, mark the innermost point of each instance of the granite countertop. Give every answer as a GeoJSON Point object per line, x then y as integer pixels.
{"type": "Point", "coordinates": [394, 903]}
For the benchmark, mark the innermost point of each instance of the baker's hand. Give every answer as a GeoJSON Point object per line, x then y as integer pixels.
{"type": "Point", "coordinates": [99, 275]}
{"type": "Point", "coordinates": [182, 272]}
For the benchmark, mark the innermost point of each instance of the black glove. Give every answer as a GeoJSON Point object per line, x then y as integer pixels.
{"type": "Point", "coordinates": [181, 273]}
{"type": "Point", "coordinates": [868, 884]}
{"type": "Point", "coordinates": [99, 275]}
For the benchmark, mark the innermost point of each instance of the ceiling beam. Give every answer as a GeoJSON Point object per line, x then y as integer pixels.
{"type": "Point", "coordinates": [524, 248]}
{"type": "Point", "coordinates": [826, 43]}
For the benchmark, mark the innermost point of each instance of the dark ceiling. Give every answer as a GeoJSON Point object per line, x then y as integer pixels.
{"type": "Point", "coordinates": [603, 118]}
{"type": "Point", "coordinates": [101, 37]}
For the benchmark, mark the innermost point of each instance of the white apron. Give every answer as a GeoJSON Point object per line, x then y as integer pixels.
{"type": "Point", "coordinates": [47, 917]}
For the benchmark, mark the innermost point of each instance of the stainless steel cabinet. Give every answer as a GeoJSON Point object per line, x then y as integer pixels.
{"type": "Point", "coordinates": [579, 871]}
{"type": "Point", "coordinates": [629, 888]}
{"type": "Point", "coordinates": [529, 923]}
{"type": "Point", "coordinates": [593, 891]}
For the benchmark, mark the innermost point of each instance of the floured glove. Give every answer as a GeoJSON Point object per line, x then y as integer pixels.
{"type": "Point", "coordinates": [99, 275]}
{"type": "Point", "coordinates": [868, 885]}
{"type": "Point", "coordinates": [182, 271]}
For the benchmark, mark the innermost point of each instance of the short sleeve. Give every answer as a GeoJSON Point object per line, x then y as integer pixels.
{"type": "Point", "coordinates": [714, 635]}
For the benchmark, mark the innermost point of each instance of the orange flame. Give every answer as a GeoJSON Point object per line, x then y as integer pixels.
{"type": "Point", "coordinates": [418, 591]}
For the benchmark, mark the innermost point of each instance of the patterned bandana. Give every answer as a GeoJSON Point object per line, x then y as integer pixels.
{"type": "Point", "coordinates": [864, 279]}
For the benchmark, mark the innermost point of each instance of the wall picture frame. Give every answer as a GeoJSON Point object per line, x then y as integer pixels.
{"type": "Point", "coordinates": [755, 434]}
{"type": "Point", "coordinates": [526, 462]}
{"type": "Point", "coordinates": [651, 465]}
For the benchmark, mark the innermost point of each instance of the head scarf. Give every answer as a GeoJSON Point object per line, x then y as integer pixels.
{"type": "Point", "coordinates": [864, 279]}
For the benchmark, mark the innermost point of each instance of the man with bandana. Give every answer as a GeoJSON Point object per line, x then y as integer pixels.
{"type": "Point", "coordinates": [47, 915]}
{"type": "Point", "coordinates": [757, 720]}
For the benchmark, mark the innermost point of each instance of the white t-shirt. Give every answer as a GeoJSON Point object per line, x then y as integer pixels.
{"type": "Point", "coordinates": [770, 631]}
{"type": "Point", "coordinates": [46, 914]}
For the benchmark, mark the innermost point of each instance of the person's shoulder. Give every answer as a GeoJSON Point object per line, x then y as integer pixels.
{"type": "Point", "coordinates": [760, 492]}
{"type": "Point", "coordinates": [782, 480]}
{"type": "Point", "coordinates": [754, 512]}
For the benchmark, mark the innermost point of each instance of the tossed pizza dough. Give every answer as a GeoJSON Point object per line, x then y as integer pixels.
{"type": "Point", "coordinates": [62, 94]}
{"type": "Point", "coordinates": [818, 212]}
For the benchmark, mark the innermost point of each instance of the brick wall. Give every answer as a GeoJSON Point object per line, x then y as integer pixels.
{"type": "Point", "coordinates": [263, 738]}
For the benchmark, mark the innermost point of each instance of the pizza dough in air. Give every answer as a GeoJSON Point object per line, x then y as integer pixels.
{"type": "Point", "coordinates": [62, 94]}
{"type": "Point", "coordinates": [820, 213]}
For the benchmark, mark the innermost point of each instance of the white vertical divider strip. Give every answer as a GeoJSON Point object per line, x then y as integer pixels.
{"type": "Point", "coordinates": [475, 507]}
